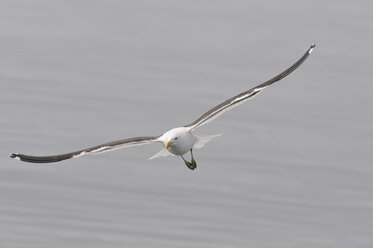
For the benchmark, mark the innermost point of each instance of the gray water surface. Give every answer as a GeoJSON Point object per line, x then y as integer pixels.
{"type": "Point", "coordinates": [293, 168]}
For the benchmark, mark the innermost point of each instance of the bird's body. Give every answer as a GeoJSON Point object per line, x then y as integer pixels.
{"type": "Point", "coordinates": [177, 141]}
{"type": "Point", "coordinates": [181, 140]}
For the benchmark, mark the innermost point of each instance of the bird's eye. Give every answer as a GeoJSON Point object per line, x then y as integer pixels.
{"type": "Point", "coordinates": [175, 138]}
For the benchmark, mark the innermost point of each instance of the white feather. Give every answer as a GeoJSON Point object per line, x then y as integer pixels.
{"type": "Point", "coordinates": [201, 141]}
{"type": "Point", "coordinates": [163, 153]}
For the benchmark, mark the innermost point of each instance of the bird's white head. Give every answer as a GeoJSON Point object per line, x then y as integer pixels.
{"type": "Point", "coordinates": [171, 141]}
{"type": "Point", "coordinates": [178, 140]}
{"type": "Point", "coordinates": [172, 137]}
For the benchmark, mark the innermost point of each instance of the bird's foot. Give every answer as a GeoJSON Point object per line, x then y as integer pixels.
{"type": "Point", "coordinates": [194, 163]}
{"type": "Point", "coordinates": [191, 165]}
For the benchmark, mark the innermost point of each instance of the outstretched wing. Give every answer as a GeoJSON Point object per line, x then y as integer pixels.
{"type": "Point", "coordinates": [244, 96]}
{"type": "Point", "coordinates": [114, 145]}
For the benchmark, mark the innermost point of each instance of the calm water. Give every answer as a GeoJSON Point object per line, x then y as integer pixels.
{"type": "Point", "coordinates": [293, 168]}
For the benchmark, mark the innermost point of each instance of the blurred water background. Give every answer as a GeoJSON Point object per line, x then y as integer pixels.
{"type": "Point", "coordinates": [293, 168]}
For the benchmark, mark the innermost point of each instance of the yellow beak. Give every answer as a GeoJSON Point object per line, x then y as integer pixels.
{"type": "Point", "coordinates": [168, 144]}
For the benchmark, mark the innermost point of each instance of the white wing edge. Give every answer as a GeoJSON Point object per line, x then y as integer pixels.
{"type": "Point", "coordinates": [244, 96]}
{"type": "Point", "coordinates": [110, 146]}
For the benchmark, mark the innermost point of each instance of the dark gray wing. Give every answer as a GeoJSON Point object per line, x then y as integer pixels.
{"type": "Point", "coordinates": [244, 96]}
{"type": "Point", "coordinates": [110, 146]}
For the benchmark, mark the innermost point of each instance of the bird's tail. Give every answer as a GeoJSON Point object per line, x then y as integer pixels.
{"type": "Point", "coordinates": [201, 141]}
{"type": "Point", "coordinates": [163, 153]}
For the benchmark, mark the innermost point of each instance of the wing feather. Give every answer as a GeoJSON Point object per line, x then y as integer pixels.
{"type": "Point", "coordinates": [244, 96]}
{"type": "Point", "coordinates": [110, 146]}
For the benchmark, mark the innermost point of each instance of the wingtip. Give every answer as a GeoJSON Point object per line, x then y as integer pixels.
{"type": "Point", "coordinates": [15, 156]}
{"type": "Point", "coordinates": [313, 45]}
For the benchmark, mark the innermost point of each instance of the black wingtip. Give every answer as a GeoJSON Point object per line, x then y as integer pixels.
{"type": "Point", "coordinates": [311, 48]}
{"type": "Point", "coordinates": [14, 155]}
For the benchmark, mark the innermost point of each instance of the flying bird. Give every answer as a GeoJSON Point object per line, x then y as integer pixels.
{"type": "Point", "coordinates": [177, 141]}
